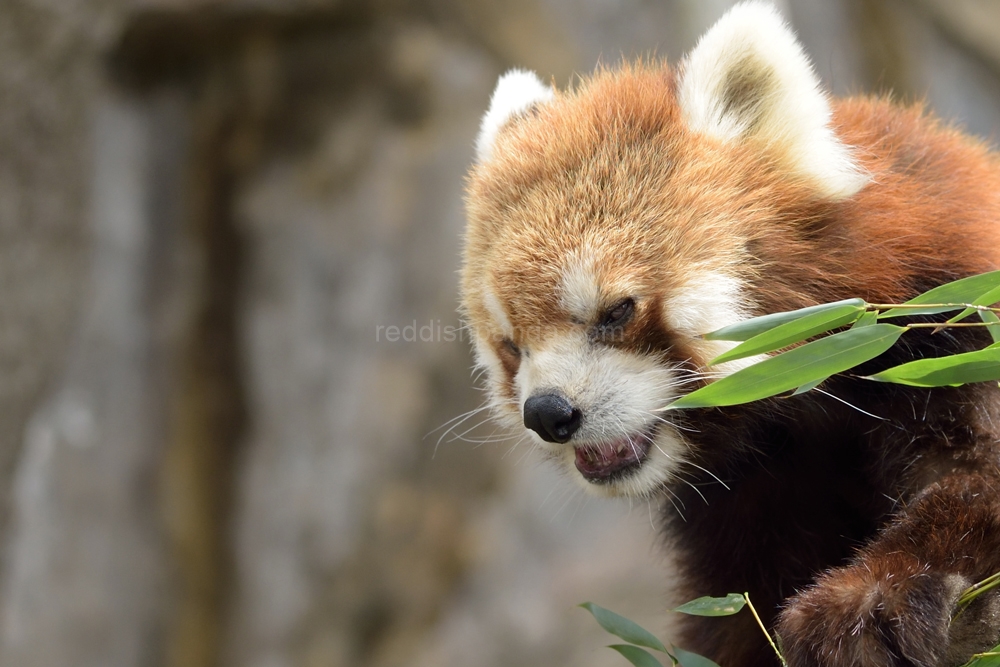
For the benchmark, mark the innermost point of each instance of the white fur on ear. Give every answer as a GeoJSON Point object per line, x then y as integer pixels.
{"type": "Point", "coordinates": [517, 91]}
{"type": "Point", "coordinates": [749, 77]}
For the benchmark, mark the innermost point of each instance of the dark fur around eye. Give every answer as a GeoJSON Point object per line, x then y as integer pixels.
{"type": "Point", "coordinates": [511, 347]}
{"type": "Point", "coordinates": [510, 356]}
{"type": "Point", "coordinates": [618, 314]}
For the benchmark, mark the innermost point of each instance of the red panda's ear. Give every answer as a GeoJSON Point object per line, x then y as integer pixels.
{"type": "Point", "coordinates": [748, 78]}
{"type": "Point", "coordinates": [517, 91]}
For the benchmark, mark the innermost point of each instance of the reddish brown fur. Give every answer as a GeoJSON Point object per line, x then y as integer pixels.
{"type": "Point", "coordinates": [616, 146]}
{"type": "Point", "coordinates": [811, 480]}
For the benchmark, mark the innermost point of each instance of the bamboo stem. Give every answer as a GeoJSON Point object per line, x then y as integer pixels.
{"type": "Point", "coordinates": [746, 596]}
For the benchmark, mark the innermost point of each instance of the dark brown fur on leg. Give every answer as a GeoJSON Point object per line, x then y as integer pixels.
{"type": "Point", "coordinates": [893, 604]}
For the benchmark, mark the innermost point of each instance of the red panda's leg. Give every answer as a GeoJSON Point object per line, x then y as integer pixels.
{"type": "Point", "coordinates": [894, 603]}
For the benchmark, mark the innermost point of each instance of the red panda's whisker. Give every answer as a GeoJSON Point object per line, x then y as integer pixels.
{"type": "Point", "coordinates": [460, 418]}
{"type": "Point", "coordinates": [707, 472]}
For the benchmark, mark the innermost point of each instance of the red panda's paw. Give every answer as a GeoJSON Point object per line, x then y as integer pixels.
{"type": "Point", "coordinates": [853, 618]}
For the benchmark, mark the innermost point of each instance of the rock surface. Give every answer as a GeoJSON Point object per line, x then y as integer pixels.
{"type": "Point", "coordinates": [228, 335]}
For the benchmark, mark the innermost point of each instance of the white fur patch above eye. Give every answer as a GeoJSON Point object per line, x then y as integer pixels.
{"type": "Point", "coordinates": [749, 77]}
{"type": "Point", "coordinates": [516, 92]}
{"type": "Point", "coordinates": [704, 304]}
{"type": "Point", "coordinates": [580, 294]}
{"type": "Point", "coordinates": [497, 312]}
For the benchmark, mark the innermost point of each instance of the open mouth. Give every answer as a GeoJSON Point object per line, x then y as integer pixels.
{"type": "Point", "coordinates": [606, 461]}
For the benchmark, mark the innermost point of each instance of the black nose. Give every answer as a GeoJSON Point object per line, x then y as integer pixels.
{"type": "Point", "coordinates": [552, 417]}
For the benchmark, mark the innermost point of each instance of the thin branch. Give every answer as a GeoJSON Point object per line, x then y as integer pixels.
{"type": "Point", "coordinates": [893, 306]}
{"type": "Point", "coordinates": [976, 590]}
{"type": "Point", "coordinates": [746, 596]}
{"type": "Point", "coordinates": [945, 325]}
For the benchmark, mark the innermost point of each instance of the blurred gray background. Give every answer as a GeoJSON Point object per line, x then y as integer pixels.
{"type": "Point", "coordinates": [208, 454]}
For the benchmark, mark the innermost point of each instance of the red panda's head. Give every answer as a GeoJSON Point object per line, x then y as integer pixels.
{"type": "Point", "coordinates": [609, 226]}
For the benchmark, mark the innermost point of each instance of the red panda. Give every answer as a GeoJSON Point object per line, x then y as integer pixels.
{"type": "Point", "coordinates": [612, 224]}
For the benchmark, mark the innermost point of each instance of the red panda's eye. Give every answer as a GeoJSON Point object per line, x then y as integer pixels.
{"type": "Point", "coordinates": [619, 313]}
{"type": "Point", "coordinates": [511, 347]}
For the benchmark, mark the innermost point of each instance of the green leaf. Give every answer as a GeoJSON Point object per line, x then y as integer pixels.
{"type": "Point", "coordinates": [780, 648]}
{"type": "Point", "coordinates": [795, 368]}
{"type": "Point", "coordinates": [793, 332]}
{"type": "Point", "coordinates": [963, 291]}
{"type": "Point", "coordinates": [809, 386]}
{"type": "Point", "coordinates": [747, 329]}
{"type": "Point", "coordinates": [637, 656]}
{"type": "Point", "coordinates": [689, 659]}
{"type": "Point", "coordinates": [708, 606]}
{"type": "Point", "coordinates": [622, 627]}
{"type": "Point", "coordinates": [951, 371]}
{"type": "Point", "coordinates": [869, 318]}
{"type": "Point", "coordinates": [987, 299]}
{"type": "Point", "coordinates": [990, 317]}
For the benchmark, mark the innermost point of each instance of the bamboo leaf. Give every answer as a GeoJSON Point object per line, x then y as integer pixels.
{"type": "Point", "coordinates": [689, 659]}
{"type": "Point", "coordinates": [637, 656]}
{"type": "Point", "coordinates": [709, 606]}
{"type": "Point", "coordinates": [987, 299]}
{"type": "Point", "coordinates": [624, 628]}
{"type": "Point", "coordinates": [793, 332]}
{"type": "Point", "coordinates": [963, 291]}
{"type": "Point", "coordinates": [951, 371]}
{"type": "Point", "coordinates": [795, 368]}
{"type": "Point", "coordinates": [747, 329]}
{"type": "Point", "coordinates": [869, 318]}
{"type": "Point", "coordinates": [809, 386]}
{"type": "Point", "coordinates": [990, 317]}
